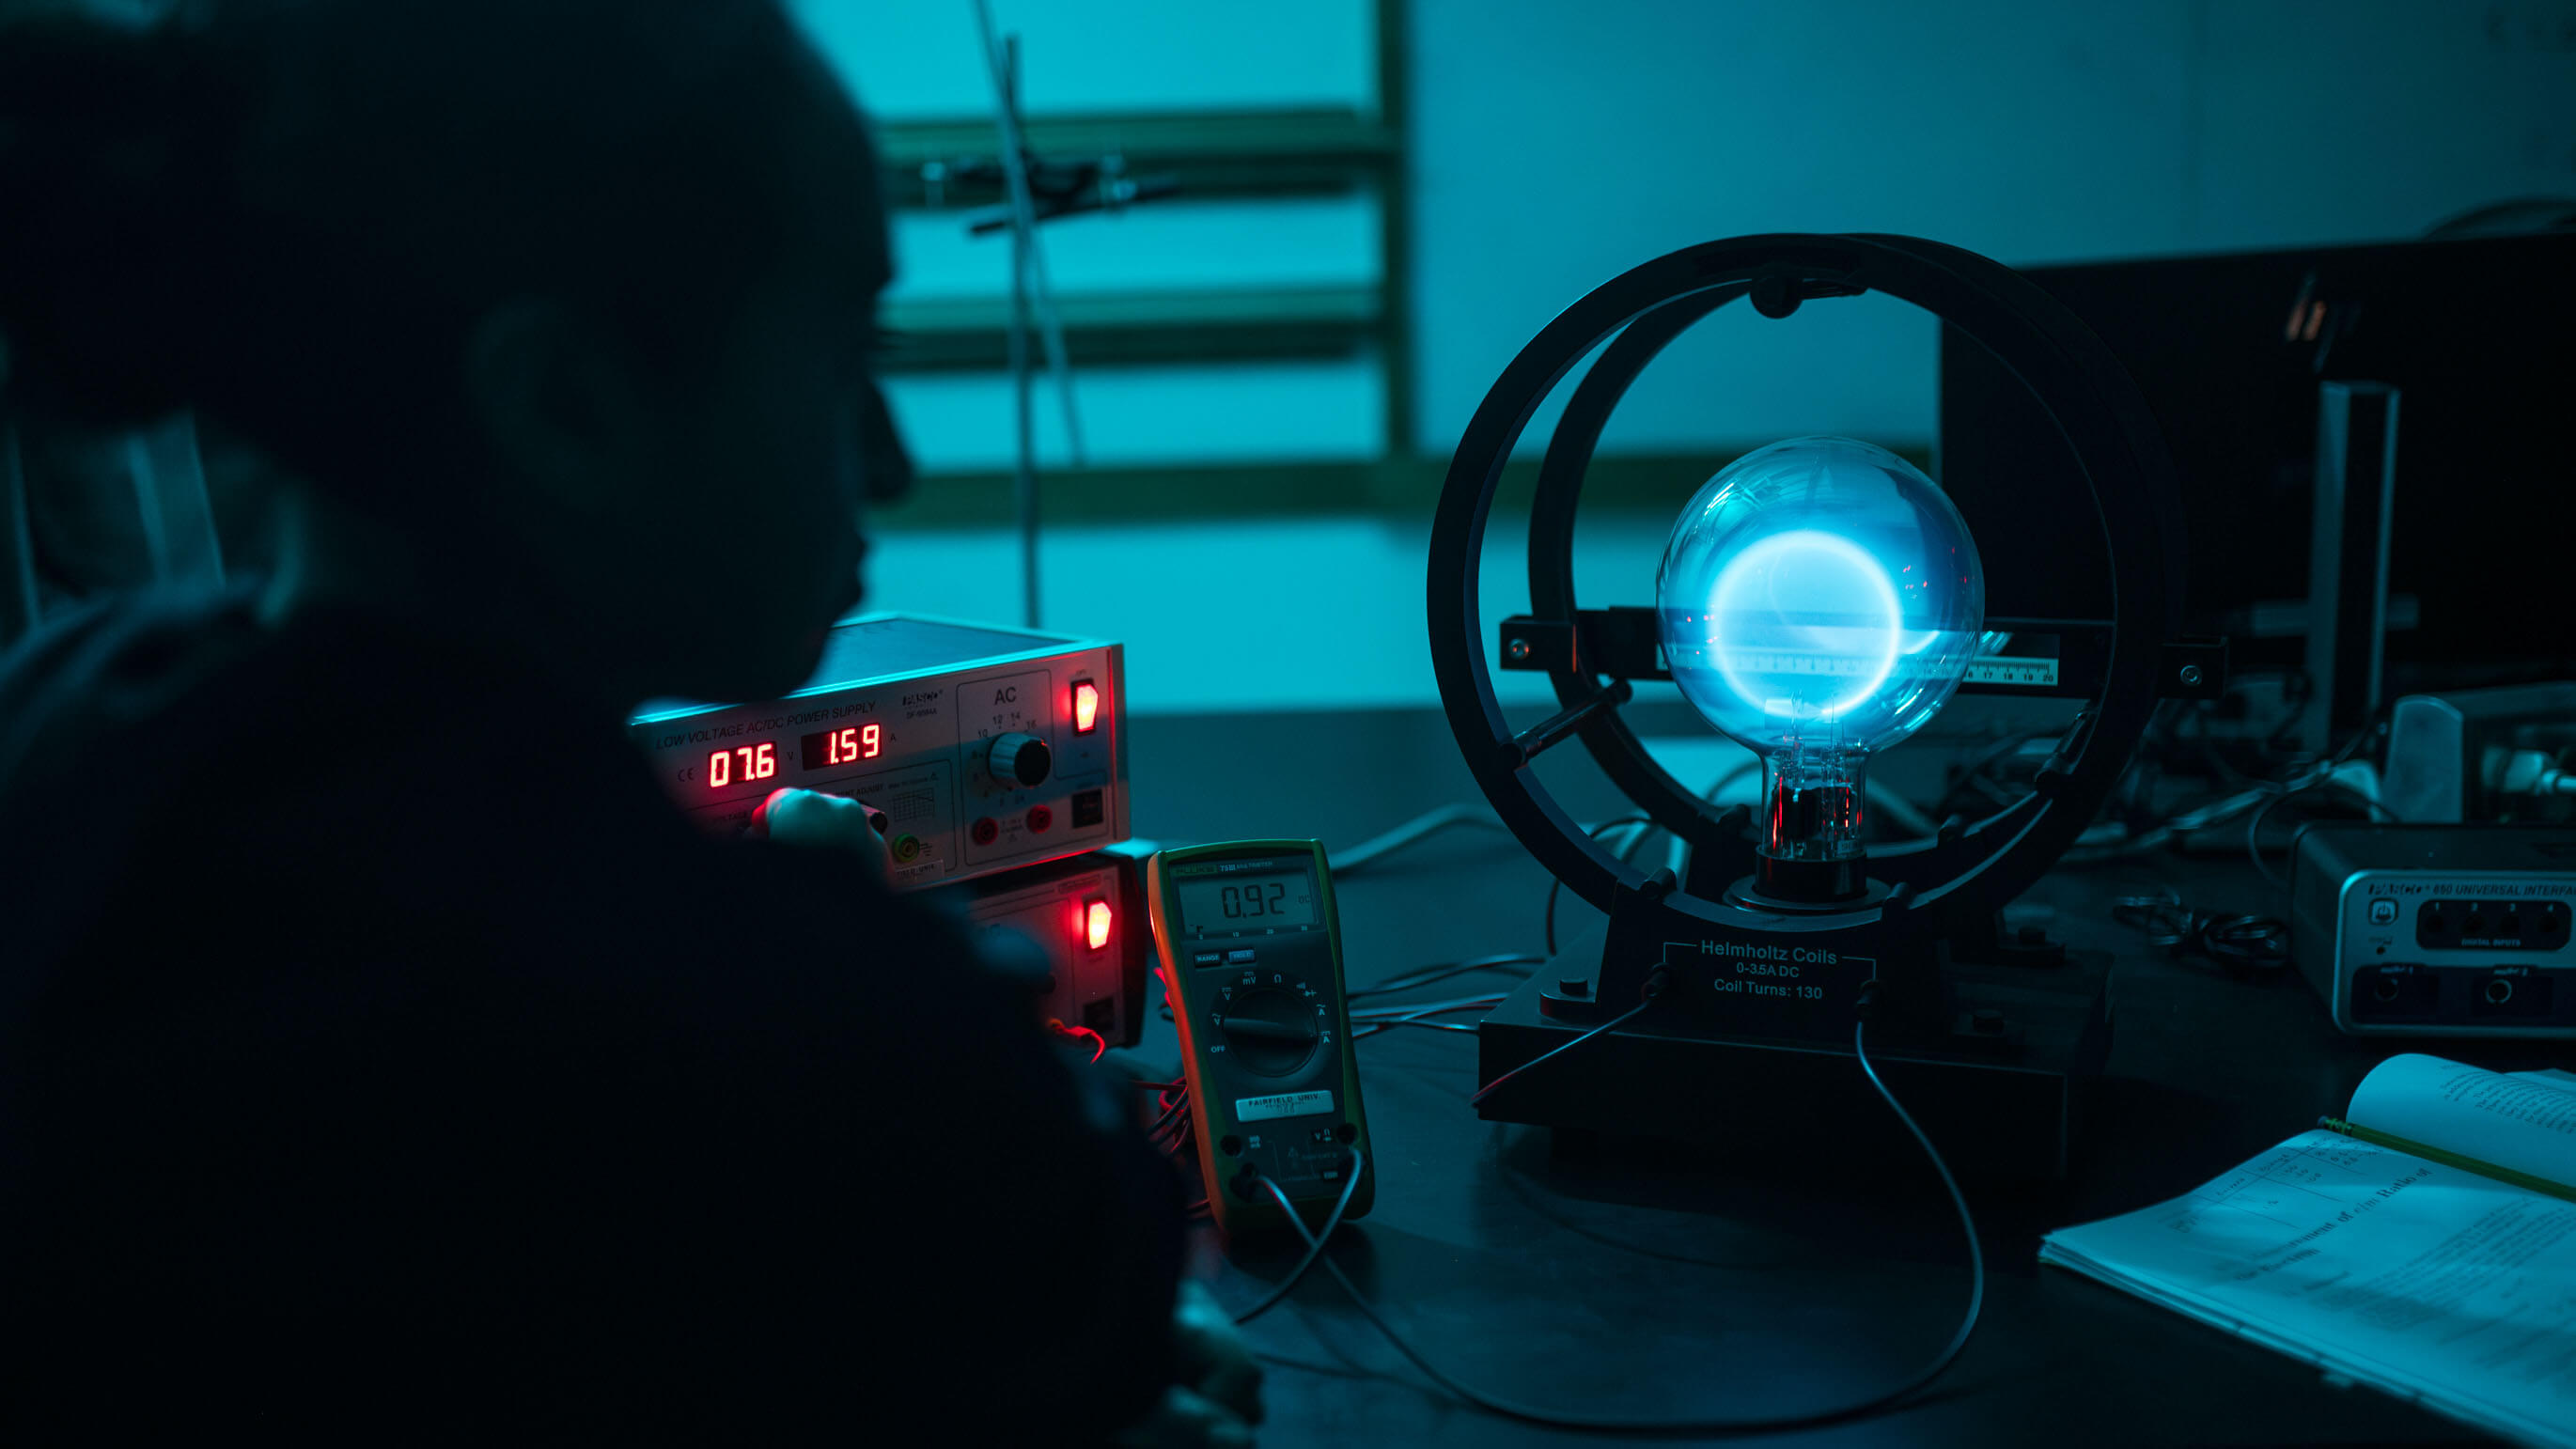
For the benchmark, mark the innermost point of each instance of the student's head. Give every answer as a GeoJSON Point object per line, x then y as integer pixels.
{"type": "Point", "coordinates": [573, 298]}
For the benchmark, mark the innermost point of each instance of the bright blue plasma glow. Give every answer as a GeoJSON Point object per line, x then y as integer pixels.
{"type": "Point", "coordinates": [1805, 616]}
{"type": "Point", "coordinates": [1818, 596]}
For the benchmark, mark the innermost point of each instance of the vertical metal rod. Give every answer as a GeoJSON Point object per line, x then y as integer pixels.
{"type": "Point", "coordinates": [1003, 59]}
{"type": "Point", "coordinates": [1023, 378]}
{"type": "Point", "coordinates": [1024, 390]}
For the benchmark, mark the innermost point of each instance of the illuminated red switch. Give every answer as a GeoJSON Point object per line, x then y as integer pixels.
{"type": "Point", "coordinates": [1095, 922]}
{"type": "Point", "coordinates": [1086, 706]}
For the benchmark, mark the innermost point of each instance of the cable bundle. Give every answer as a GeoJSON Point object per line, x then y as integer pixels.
{"type": "Point", "coordinates": [2245, 945]}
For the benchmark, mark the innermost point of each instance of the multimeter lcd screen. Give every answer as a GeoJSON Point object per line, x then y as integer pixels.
{"type": "Point", "coordinates": [1216, 905]}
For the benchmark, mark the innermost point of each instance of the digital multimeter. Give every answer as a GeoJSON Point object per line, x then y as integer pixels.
{"type": "Point", "coordinates": [1250, 953]}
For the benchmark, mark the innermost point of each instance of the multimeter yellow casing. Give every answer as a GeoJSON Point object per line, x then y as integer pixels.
{"type": "Point", "coordinates": [1249, 948]}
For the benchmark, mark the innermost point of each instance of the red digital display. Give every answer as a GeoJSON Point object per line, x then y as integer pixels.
{"type": "Point", "coordinates": [743, 762]}
{"type": "Point", "coordinates": [847, 745]}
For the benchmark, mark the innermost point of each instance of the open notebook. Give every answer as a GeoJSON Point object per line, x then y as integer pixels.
{"type": "Point", "coordinates": [2425, 1246]}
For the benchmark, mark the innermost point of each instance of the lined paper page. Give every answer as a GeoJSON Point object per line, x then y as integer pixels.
{"type": "Point", "coordinates": [2525, 1121]}
{"type": "Point", "coordinates": [2436, 1284]}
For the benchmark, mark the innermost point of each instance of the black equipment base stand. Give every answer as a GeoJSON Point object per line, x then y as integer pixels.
{"type": "Point", "coordinates": [2007, 1109]}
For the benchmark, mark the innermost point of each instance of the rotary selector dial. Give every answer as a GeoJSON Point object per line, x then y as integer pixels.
{"type": "Point", "coordinates": [1019, 761]}
{"type": "Point", "coordinates": [1271, 1027]}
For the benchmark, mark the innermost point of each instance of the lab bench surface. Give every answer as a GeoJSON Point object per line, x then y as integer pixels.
{"type": "Point", "coordinates": [1638, 1280]}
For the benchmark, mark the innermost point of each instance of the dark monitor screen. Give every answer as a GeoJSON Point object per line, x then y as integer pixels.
{"type": "Point", "coordinates": [2478, 335]}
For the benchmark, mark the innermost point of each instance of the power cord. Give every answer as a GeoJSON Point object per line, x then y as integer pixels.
{"type": "Point", "coordinates": [1081, 1034]}
{"type": "Point", "coordinates": [1419, 828]}
{"type": "Point", "coordinates": [2321, 777]}
{"type": "Point", "coordinates": [2121, 842]}
{"type": "Point", "coordinates": [1654, 988]}
{"type": "Point", "coordinates": [1428, 974]}
{"type": "Point", "coordinates": [1412, 832]}
{"type": "Point", "coordinates": [1379, 1018]}
{"type": "Point", "coordinates": [1314, 1241]}
{"type": "Point", "coordinates": [2254, 822]}
{"type": "Point", "coordinates": [1494, 1405]}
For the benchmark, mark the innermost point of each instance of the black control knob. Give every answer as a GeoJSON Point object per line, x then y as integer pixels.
{"type": "Point", "coordinates": [1270, 1031]}
{"type": "Point", "coordinates": [1019, 761]}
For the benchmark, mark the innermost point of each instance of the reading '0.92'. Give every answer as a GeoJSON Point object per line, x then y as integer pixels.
{"type": "Point", "coordinates": [1241, 902]}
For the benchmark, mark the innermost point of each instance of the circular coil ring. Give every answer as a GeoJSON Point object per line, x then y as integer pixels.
{"type": "Point", "coordinates": [1971, 869]}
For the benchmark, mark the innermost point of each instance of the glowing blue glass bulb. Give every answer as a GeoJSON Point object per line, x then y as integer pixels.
{"type": "Point", "coordinates": [1819, 599]}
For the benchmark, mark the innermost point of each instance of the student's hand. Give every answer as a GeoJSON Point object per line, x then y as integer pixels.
{"type": "Point", "coordinates": [1218, 1398]}
{"type": "Point", "coordinates": [1212, 1357]}
{"type": "Point", "coordinates": [1186, 1419]}
{"type": "Point", "coordinates": [811, 817]}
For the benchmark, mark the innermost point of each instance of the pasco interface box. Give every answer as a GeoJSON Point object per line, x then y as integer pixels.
{"type": "Point", "coordinates": [987, 748]}
{"type": "Point", "coordinates": [2438, 930]}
